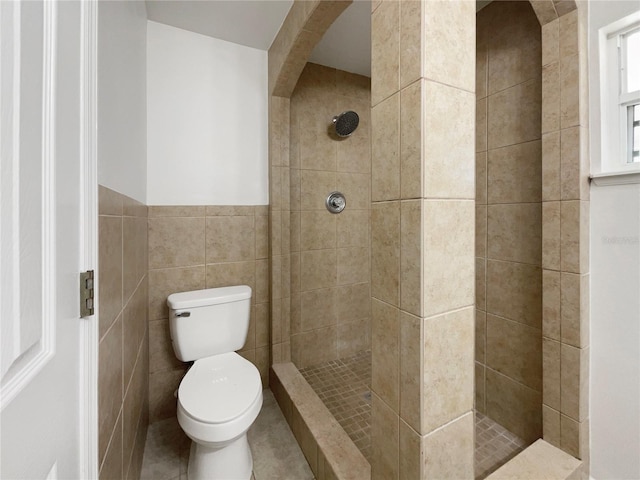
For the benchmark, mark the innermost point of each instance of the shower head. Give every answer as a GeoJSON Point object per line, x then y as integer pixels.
{"type": "Point", "coordinates": [346, 123]}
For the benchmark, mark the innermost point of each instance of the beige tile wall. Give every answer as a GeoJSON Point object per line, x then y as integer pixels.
{"type": "Point", "coordinates": [280, 237]}
{"type": "Point", "coordinates": [565, 225]}
{"type": "Point", "coordinates": [509, 218]}
{"type": "Point", "coordinates": [411, 41]}
{"type": "Point", "coordinates": [329, 263]}
{"type": "Point", "coordinates": [197, 247]}
{"type": "Point", "coordinates": [565, 238]}
{"type": "Point", "coordinates": [422, 239]}
{"type": "Point", "coordinates": [123, 394]}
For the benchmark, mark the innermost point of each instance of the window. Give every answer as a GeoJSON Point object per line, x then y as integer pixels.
{"type": "Point", "coordinates": [620, 82]}
{"type": "Point", "coordinates": [629, 101]}
{"type": "Point", "coordinates": [633, 134]}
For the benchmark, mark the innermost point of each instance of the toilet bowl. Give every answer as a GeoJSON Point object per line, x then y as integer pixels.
{"type": "Point", "coordinates": [220, 396]}
{"type": "Point", "coordinates": [218, 400]}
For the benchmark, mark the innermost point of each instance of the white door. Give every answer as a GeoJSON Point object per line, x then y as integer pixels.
{"type": "Point", "coordinates": [46, 199]}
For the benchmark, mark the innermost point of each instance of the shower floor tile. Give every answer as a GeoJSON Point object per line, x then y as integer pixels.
{"type": "Point", "coordinates": [344, 385]}
{"type": "Point", "coordinates": [495, 446]}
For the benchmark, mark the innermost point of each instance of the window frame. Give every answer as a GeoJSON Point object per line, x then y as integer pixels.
{"type": "Point", "coordinates": [616, 140]}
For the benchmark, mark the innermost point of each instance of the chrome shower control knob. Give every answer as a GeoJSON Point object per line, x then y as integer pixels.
{"type": "Point", "coordinates": [336, 202]}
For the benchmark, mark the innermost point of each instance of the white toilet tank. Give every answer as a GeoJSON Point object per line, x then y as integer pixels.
{"type": "Point", "coordinates": [209, 322]}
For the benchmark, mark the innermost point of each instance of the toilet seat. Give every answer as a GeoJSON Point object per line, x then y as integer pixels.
{"type": "Point", "coordinates": [219, 389]}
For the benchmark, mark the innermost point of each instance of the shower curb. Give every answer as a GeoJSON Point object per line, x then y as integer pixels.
{"type": "Point", "coordinates": [540, 460]}
{"type": "Point", "coordinates": [328, 449]}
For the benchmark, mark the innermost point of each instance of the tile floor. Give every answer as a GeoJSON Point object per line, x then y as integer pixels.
{"type": "Point", "coordinates": [344, 387]}
{"type": "Point", "coordinates": [495, 446]}
{"type": "Point", "coordinates": [276, 454]}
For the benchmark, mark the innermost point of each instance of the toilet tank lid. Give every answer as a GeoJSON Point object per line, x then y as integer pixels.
{"type": "Point", "coordinates": [210, 296]}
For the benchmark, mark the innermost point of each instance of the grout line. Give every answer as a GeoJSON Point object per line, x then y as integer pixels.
{"type": "Point", "coordinates": [537, 329]}
{"type": "Point", "coordinates": [513, 380]}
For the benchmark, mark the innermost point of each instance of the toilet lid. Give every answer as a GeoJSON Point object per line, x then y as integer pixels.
{"type": "Point", "coordinates": [220, 388]}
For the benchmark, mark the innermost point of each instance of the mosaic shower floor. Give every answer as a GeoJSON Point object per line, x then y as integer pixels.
{"type": "Point", "coordinates": [344, 387]}
{"type": "Point", "coordinates": [495, 446]}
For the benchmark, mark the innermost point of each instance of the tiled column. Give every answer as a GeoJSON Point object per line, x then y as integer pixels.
{"type": "Point", "coordinates": [422, 259]}
{"type": "Point", "coordinates": [279, 227]}
{"type": "Point", "coordinates": [565, 258]}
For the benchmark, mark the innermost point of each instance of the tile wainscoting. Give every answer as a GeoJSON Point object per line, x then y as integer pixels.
{"type": "Point", "coordinates": [197, 247]}
{"type": "Point", "coordinates": [123, 405]}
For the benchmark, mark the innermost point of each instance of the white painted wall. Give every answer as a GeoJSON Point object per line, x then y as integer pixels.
{"type": "Point", "coordinates": [122, 111]}
{"type": "Point", "coordinates": [615, 295]}
{"type": "Point", "coordinates": [207, 118]}
{"type": "Point", "coordinates": [615, 332]}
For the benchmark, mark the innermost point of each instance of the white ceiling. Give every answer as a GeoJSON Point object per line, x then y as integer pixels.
{"type": "Point", "coordinates": [346, 45]}
{"type": "Point", "coordinates": [245, 22]}
{"type": "Point", "coordinates": [255, 23]}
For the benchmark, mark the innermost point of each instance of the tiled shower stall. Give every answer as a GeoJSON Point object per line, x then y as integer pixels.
{"type": "Point", "coordinates": [324, 304]}
{"type": "Point", "coordinates": [528, 211]}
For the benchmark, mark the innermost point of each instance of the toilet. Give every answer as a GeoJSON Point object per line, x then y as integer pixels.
{"type": "Point", "coordinates": [220, 396]}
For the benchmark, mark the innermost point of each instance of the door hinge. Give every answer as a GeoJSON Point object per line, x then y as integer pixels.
{"type": "Point", "coordinates": [86, 293]}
